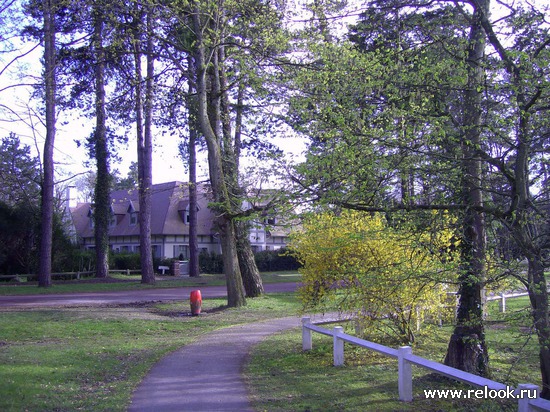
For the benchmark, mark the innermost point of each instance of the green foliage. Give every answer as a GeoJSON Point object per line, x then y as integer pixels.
{"type": "Point", "coordinates": [358, 263]}
{"type": "Point", "coordinates": [19, 242]}
{"type": "Point", "coordinates": [275, 260]}
{"type": "Point", "coordinates": [125, 261]}
{"type": "Point", "coordinates": [19, 173]}
{"type": "Point", "coordinates": [210, 262]}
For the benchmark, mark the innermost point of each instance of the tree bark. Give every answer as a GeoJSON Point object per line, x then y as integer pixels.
{"type": "Point", "coordinates": [102, 198]}
{"type": "Point", "coordinates": [467, 348]}
{"type": "Point", "coordinates": [252, 280]}
{"type": "Point", "coordinates": [47, 194]}
{"type": "Point", "coordinates": [193, 215]}
{"type": "Point", "coordinates": [144, 145]}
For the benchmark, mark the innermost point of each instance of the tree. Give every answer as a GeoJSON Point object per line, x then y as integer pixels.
{"type": "Point", "coordinates": [19, 173]}
{"type": "Point", "coordinates": [526, 209]}
{"type": "Point", "coordinates": [226, 54]}
{"type": "Point", "coordinates": [208, 115]}
{"type": "Point", "coordinates": [49, 9]}
{"type": "Point", "coordinates": [102, 192]}
{"type": "Point", "coordinates": [130, 181]}
{"type": "Point", "coordinates": [467, 347]}
{"type": "Point", "coordinates": [468, 134]}
{"type": "Point", "coordinates": [19, 207]}
{"type": "Point", "coordinates": [144, 133]}
{"type": "Point", "coordinates": [193, 204]}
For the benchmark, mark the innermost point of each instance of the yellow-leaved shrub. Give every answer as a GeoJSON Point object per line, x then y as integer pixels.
{"type": "Point", "coordinates": [356, 262]}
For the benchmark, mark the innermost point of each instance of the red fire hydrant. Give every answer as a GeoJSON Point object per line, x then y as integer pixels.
{"type": "Point", "coordinates": [196, 302]}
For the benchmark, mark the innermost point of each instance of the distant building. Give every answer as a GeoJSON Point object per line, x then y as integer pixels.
{"type": "Point", "coordinates": [169, 223]}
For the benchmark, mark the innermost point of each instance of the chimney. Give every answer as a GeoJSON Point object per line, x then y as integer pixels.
{"type": "Point", "coordinates": [71, 197]}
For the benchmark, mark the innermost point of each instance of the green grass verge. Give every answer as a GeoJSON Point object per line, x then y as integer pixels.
{"type": "Point", "coordinates": [132, 282]}
{"type": "Point", "coordinates": [68, 359]}
{"type": "Point", "coordinates": [284, 378]}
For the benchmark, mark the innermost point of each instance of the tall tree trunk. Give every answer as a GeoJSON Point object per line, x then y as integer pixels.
{"type": "Point", "coordinates": [193, 215]}
{"type": "Point", "coordinates": [538, 296]}
{"type": "Point", "coordinates": [102, 203]}
{"type": "Point", "coordinates": [47, 194]}
{"type": "Point", "coordinates": [144, 146]}
{"type": "Point", "coordinates": [223, 209]}
{"type": "Point", "coordinates": [467, 348]}
{"type": "Point", "coordinates": [252, 280]}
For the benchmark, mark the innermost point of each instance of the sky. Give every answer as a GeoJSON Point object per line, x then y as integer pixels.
{"type": "Point", "coordinates": [71, 159]}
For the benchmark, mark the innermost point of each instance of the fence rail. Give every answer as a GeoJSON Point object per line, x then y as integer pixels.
{"type": "Point", "coordinates": [527, 395]}
{"type": "Point", "coordinates": [503, 296]}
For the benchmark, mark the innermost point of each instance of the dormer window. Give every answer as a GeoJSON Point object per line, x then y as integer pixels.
{"type": "Point", "coordinates": [183, 211]}
{"type": "Point", "coordinates": [133, 214]}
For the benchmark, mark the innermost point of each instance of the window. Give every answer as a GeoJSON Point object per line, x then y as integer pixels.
{"type": "Point", "coordinates": [156, 249]}
{"type": "Point", "coordinates": [133, 219]}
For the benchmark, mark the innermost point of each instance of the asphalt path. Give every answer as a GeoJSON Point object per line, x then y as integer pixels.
{"type": "Point", "coordinates": [207, 376]}
{"type": "Point", "coordinates": [126, 297]}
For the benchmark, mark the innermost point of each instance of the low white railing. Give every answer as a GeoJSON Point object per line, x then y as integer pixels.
{"type": "Point", "coordinates": [527, 395]}
{"type": "Point", "coordinates": [502, 299]}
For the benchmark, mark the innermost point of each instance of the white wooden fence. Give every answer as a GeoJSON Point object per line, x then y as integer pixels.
{"type": "Point", "coordinates": [405, 360]}
{"type": "Point", "coordinates": [503, 296]}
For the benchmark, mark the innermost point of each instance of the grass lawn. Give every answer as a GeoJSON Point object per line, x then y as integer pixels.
{"type": "Point", "coordinates": [91, 359]}
{"type": "Point", "coordinates": [284, 378]}
{"type": "Point", "coordinates": [132, 282]}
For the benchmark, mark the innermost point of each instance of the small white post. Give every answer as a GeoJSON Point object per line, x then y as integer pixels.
{"type": "Point", "coordinates": [306, 334]}
{"type": "Point", "coordinates": [338, 346]}
{"type": "Point", "coordinates": [405, 374]}
{"type": "Point", "coordinates": [525, 392]}
{"type": "Point", "coordinates": [502, 305]}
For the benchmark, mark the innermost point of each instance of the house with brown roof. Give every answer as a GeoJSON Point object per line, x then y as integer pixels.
{"type": "Point", "coordinates": [169, 223]}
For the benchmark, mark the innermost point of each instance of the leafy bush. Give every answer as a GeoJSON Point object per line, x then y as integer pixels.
{"type": "Point", "coordinates": [210, 262]}
{"type": "Point", "coordinates": [124, 261]}
{"type": "Point", "coordinates": [74, 259]}
{"type": "Point", "coordinates": [274, 260]}
{"type": "Point", "coordinates": [358, 263]}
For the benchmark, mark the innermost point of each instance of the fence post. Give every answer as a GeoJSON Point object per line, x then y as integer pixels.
{"type": "Point", "coordinates": [405, 374]}
{"type": "Point", "coordinates": [525, 392]}
{"type": "Point", "coordinates": [502, 305]}
{"type": "Point", "coordinates": [306, 334]}
{"type": "Point", "coordinates": [338, 346]}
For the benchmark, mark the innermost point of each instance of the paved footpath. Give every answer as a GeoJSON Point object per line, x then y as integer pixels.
{"type": "Point", "coordinates": [206, 376]}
